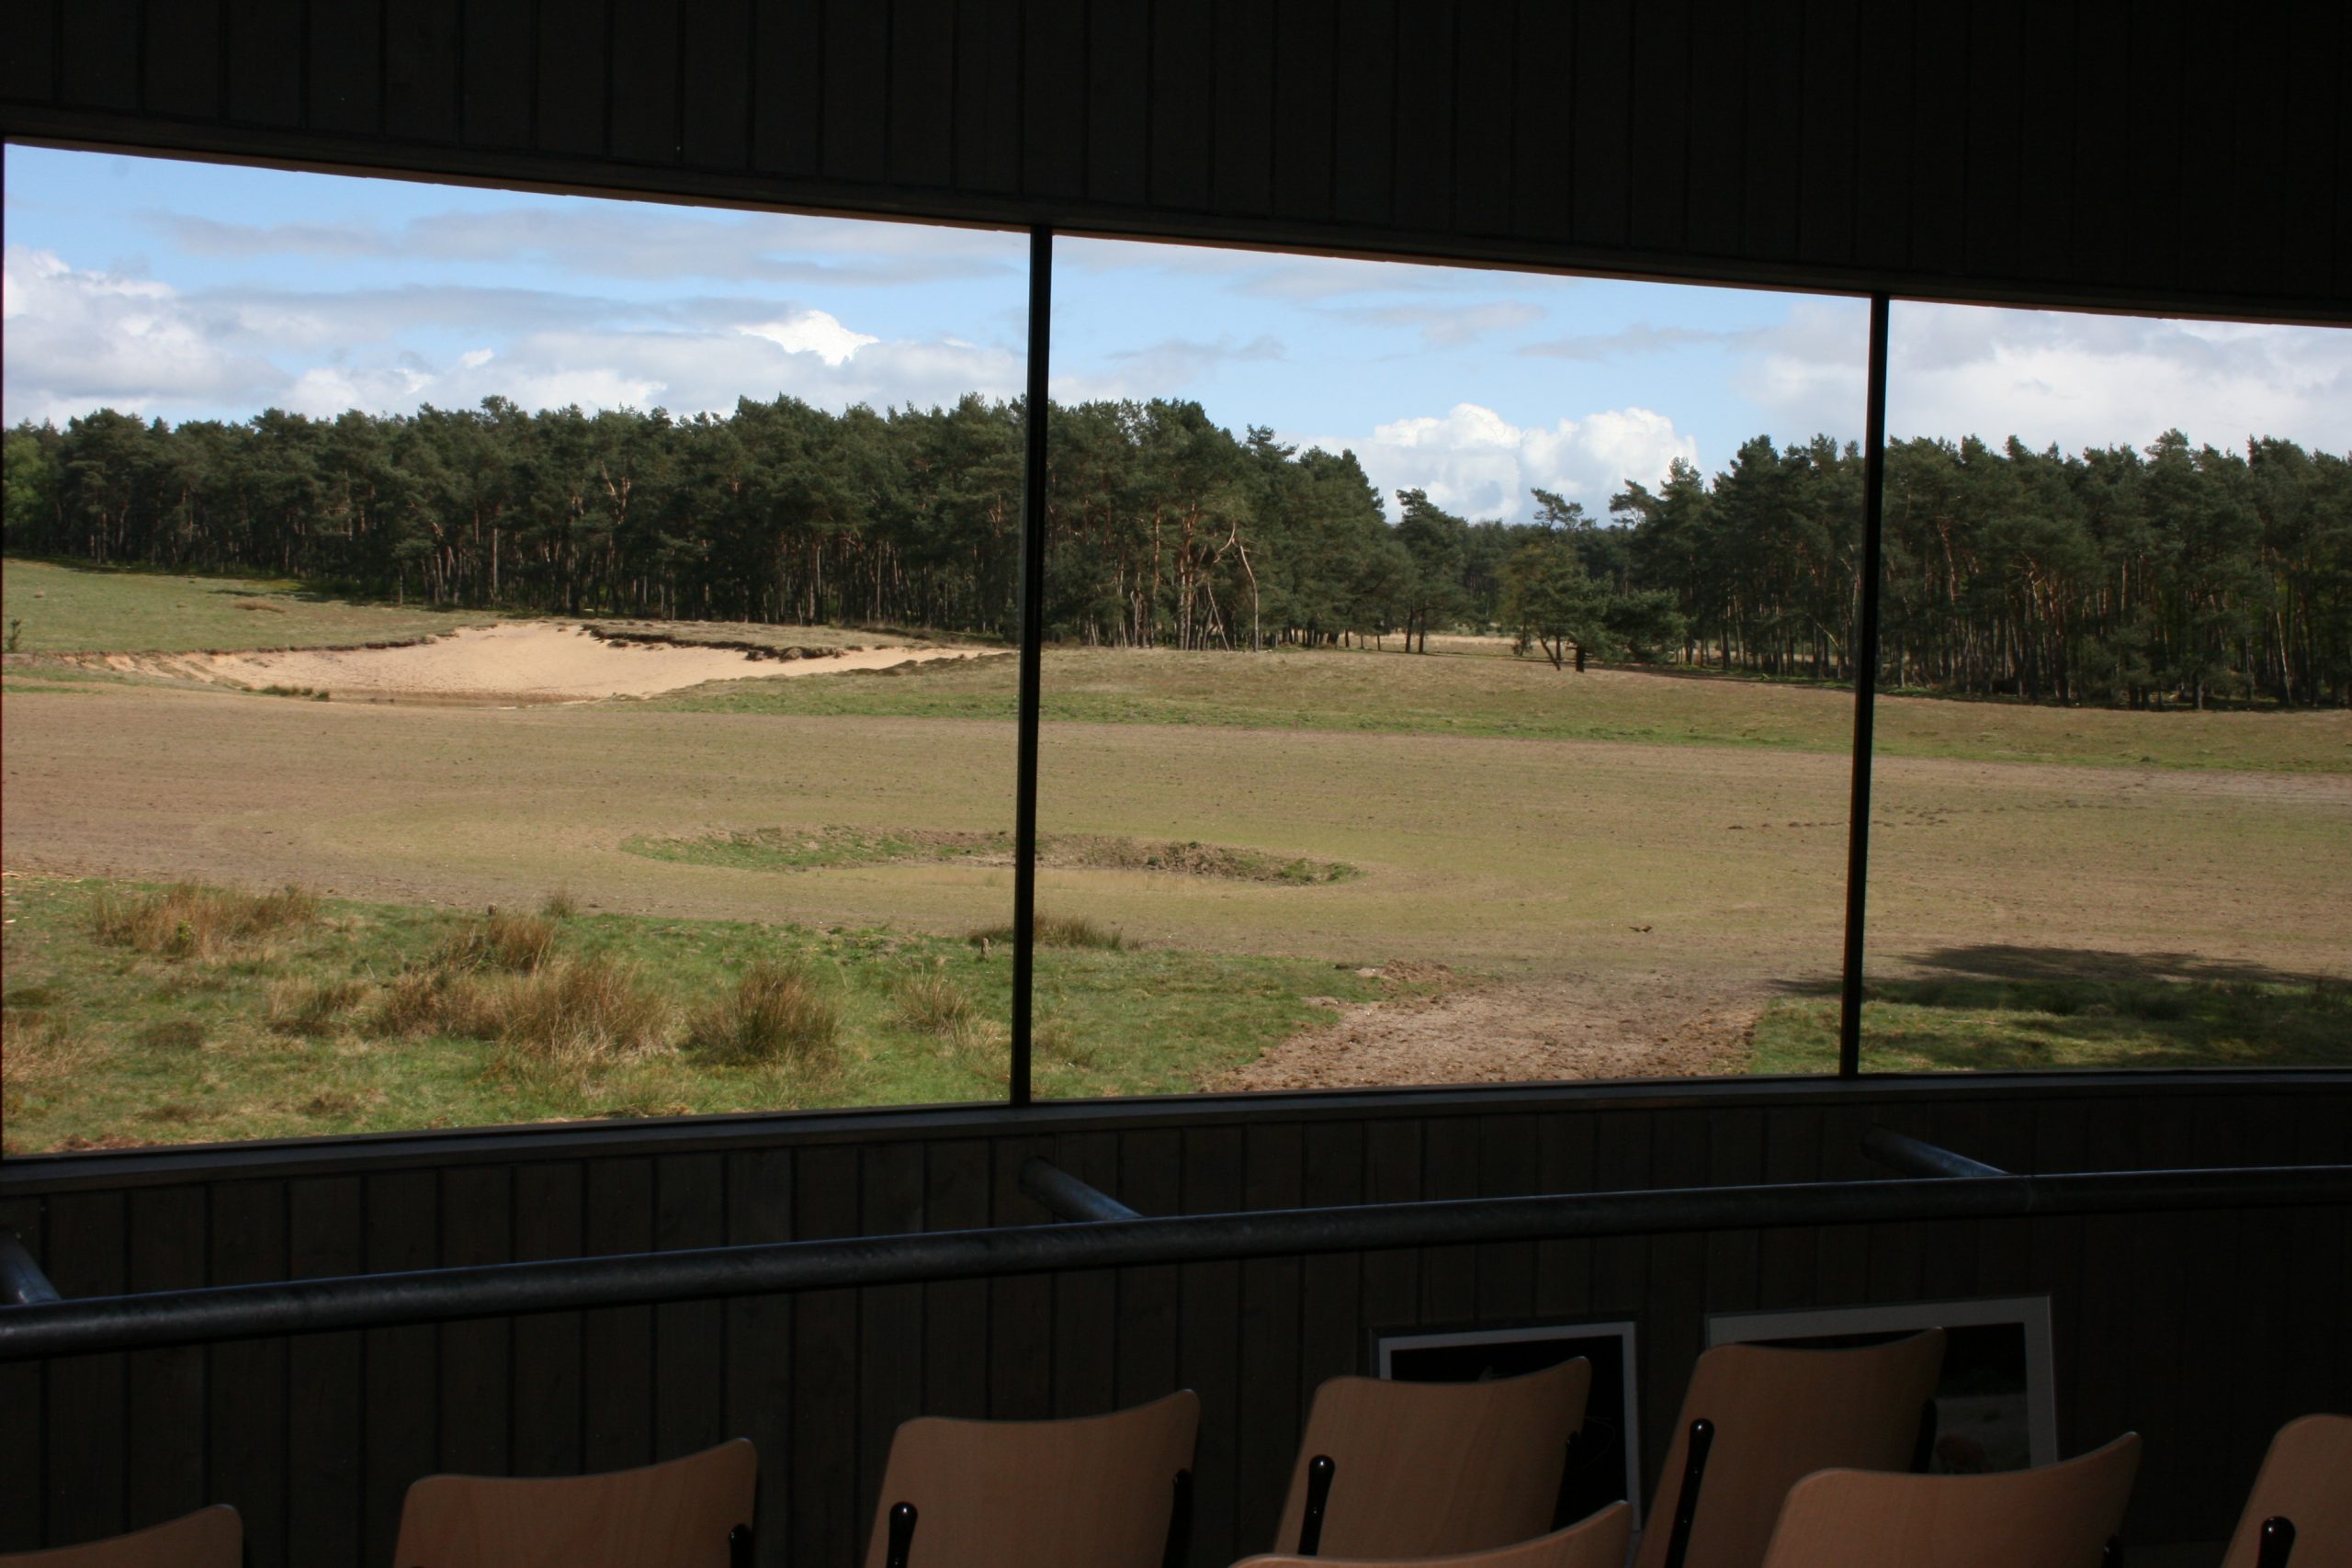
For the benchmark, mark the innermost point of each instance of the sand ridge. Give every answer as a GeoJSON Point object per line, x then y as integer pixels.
{"type": "Point", "coordinates": [530, 661]}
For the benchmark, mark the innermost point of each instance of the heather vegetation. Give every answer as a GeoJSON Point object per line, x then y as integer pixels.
{"type": "Point", "coordinates": [2174, 574]}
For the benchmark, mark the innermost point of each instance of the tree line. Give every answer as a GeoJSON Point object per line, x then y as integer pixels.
{"type": "Point", "coordinates": [2177, 573]}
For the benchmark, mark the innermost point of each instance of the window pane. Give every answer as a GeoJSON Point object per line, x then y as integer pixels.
{"type": "Point", "coordinates": [1446, 671]}
{"type": "Point", "coordinates": [2113, 785]}
{"type": "Point", "coordinates": [645, 742]}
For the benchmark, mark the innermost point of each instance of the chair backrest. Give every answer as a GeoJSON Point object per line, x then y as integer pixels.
{"type": "Point", "coordinates": [680, 1513]}
{"type": "Point", "coordinates": [1780, 1415]}
{"type": "Point", "coordinates": [2307, 1480]}
{"type": "Point", "coordinates": [210, 1538]}
{"type": "Point", "coordinates": [1595, 1541]}
{"type": "Point", "coordinates": [1094, 1491]}
{"type": "Point", "coordinates": [2062, 1516]}
{"type": "Point", "coordinates": [1436, 1469]}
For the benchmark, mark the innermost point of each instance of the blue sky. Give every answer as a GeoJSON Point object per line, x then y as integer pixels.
{"type": "Point", "coordinates": [188, 290]}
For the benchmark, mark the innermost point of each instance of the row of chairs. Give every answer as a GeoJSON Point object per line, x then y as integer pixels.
{"type": "Point", "coordinates": [1784, 1459]}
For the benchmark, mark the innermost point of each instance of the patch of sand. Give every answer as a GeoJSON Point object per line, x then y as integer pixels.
{"type": "Point", "coordinates": [1663, 1025]}
{"type": "Point", "coordinates": [531, 661]}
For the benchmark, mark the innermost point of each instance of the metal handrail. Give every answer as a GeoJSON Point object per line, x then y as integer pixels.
{"type": "Point", "coordinates": [21, 1281]}
{"type": "Point", "coordinates": [376, 1301]}
{"type": "Point", "coordinates": [1067, 1197]}
{"type": "Point", "coordinates": [1916, 1157]}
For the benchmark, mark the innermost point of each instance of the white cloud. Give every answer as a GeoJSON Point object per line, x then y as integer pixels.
{"type": "Point", "coordinates": [812, 332]}
{"type": "Point", "coordinates": [1163, 369]}
{"type": "Point", "coordinates": [2050, 376]}
{"type": "Point", "coordinates": [1475, 462]}
{"type": "Point", "coordinates": [77, 340]}
{"type": "Point", "coordinates": [80, 340]}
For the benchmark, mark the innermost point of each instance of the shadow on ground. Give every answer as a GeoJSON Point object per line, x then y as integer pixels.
{"type": "Point", "coordinates": [1998, 1006]}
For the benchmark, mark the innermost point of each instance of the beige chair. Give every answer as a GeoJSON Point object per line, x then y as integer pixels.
{"type": "Point", "coordinates": [1771, 1417]}
{"type": "Point", "coordinates": [688, 1513]}
{"type": "Point", "coordinates": [2299, 1512]}
{"type": "Point", "coordinates": [1599, 1541]}
{"type": "Point", "coordinates": [1389, 1470]}
{"type": "Point", "coordinates": [2062, 1516]}
{"type": "Point", "coordinates": [210, 1538]}
{"type": "Point", "coordinates": [1096, 1492]}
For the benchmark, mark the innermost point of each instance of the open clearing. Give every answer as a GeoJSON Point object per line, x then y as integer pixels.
{"type": "Point", "coordinates": [521, 662]}
{"type": "Point", "coordinates": [1328, 869]}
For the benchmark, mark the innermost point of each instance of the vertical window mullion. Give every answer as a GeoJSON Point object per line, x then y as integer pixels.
{"type": "Point", "coordinates": [1857, 841]}
{"type": "Point", "coordinates": [1033, 620]}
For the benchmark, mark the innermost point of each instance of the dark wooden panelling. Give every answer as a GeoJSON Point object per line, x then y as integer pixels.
{"type": "Point", "coordinates": [1660, 150]}
{"type": "Point", "coordinates": [715, 85]}
{"type": "Point", "coordinates": [245, 1431]}
{"type": "Point", "coordinates": [499, 70]}
{"type": "Point", "coordinates": [1306, 104]}
{"type": "Point", "coordinates": [922, 92]}
{"type": "Point", "coordinates": [476, 1360]}
{"type": "Point", "coordinates": [1713, 205]}
{"type": "Point", "coordinates": [1424, 108]}
{"type": "Point", "coordinates": [1543, 126]}
{"type": "Point", "coordinates": [181, 56]}
{"type": "Point", "coordinates": [1053, 99]}
{"type": "Point", "coordinates": [987, 95]}
{"type": "Point", "coordinates": [326, 1421]}
{"type": "Point", "coordinates": [1485, 119]}
{"type": "Point", "coordinates": [646, 90]}
{"type": "Point", "coordinates": [423, 85]}
{"type": "Point", "coordinates": [82, 1404]}
{"type": "Point", "coordinates": [1242, 156]}
{"type": "Point", "coordinates": [1938, 145]}
{"type": "Point", "coordinates": [855, 67]}
{"type": "Point", "coordinates": [1603, 132]}
{"type": "Point", "coordinates": [1828, 195]}
{"type": "Point", "coordinates": [2046, 145]}
{"type": "Point", "coordinates": [1118, 117]}
{"type": "Point", "coordinates": [1181, 92]}
{"type": "Point", "coordinates": [24, 1440]}
{"type": "Point", "coordinates": [2310, 124]}
{"type": "Point", "coordinates": [98, 48]}
{"type": "Point", "coordinates": [1773, 178]}
{"type": "Point", "coordinates": [28, 65]}
{"type": "Point", "coordinates": [167, 1389]}
{"type": "Point", "coordinates": [689, 1337]}
{"type": "Point", "coordinates": [1884, 190]}
{"type": "Point", "coordinates": [1363, 48]}
{"type": "Point", "coordinates": [788, 92]}
{"type": "Point", "coordinates": [2102, 174]}
{"type": "Point", "coordinates": [2158, 101]}
{"type": "Point", "coordinates": [1996, 40]}
{"type": "Point", "coordinates": [346, 67]}
{"type": "Point", "coordinates": [759, 1342]}
{"type": "Point", "coordinates": [822, 1519]}
{"type": "Point", "coordinates": [617, 1377]}
{"type": "Point", "coordinates": [403, 1416]}
{"type": "Point", "coordinates": [317, 1460]}
{"type": "Point", "coordinates": [569, 104]}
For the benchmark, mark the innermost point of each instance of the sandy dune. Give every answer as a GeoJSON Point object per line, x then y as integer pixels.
{"type": "Point", "coordinates": [524, 663]}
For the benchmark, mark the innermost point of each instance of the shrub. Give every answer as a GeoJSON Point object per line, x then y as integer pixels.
{"type": "Point", "coordinates": [307, 1007]}
{"type": "Point", "coordinates": [173, 1034]}
{"type": "Point", "coordinates": [1059, 930]}
{"type": "Point", "coordinates": [931, 1003]}
{"type": "Point", "coordinates": [436, 1002]}
{"type": "Point", "coordinates": [518, 944]}
{"type": "Point", "coordinates": [778, 1012]}
{"type": "Point", "coordinates": [587, 1010]}
{"type": "Point", "coordinates": [186, 920]}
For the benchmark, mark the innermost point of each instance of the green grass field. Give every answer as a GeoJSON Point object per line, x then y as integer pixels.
{"type": "Point", "coordinates": [285, 1031]}
{"type": "Point", "coordinates": [54, 608]}
{"type": "Point", "coordinates": [1470, 695]}
{"type": "Point", "coordinates": [1604, 857]}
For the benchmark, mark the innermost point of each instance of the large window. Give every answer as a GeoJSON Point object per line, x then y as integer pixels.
{"type": "Point", "coordinates": [2112, 826]}
{"type": "Point", "coordinates": [1447, 669]}
{"type": "Point", "coordinates": [478, 658]}
{"type": "Point", "coordinates": [475, 657]}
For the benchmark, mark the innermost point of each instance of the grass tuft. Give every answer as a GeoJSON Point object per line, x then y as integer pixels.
{"type": "Point", "coordinates": [582, 1010]}
{"type": "Point", "coordinates": [560, 905]}
{"type": "Point", "coordinates": [1059, 930]}
{"type": "Point", "coordinates": [172, 1034]}
{"type": "Point", "coordinates": [777, 1013]}
{"type": "Point", "coordinates": [186, 920]}
{"type": "Point", "coordinates": [931, 1003]}
{"type": "Point", "coordinates": [516, 944]}
{"type": "Point", "coordinates": [436, 1002]}
{"type": "Point", "coordinates": [43, 1049]}
{"type": "Point", "coordinates": [312, 1008]}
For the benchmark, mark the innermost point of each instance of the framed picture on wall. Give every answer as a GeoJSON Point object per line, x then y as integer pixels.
{"type": "Point", "coordinates": [1604, 1461]}
{"type": "Point", "coordinates": [1997, 1407]}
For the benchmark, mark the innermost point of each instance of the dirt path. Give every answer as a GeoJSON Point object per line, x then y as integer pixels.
{"type": "Point", "coordinates": [532, 662]}
{"type": "Point", "coordinates": [1657, 1025]}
